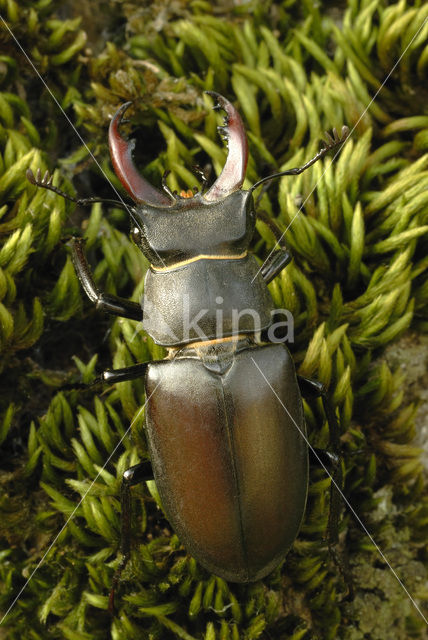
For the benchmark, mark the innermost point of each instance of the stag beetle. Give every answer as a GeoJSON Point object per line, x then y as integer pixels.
{"type": "Point", "coordinates": [224, 418]}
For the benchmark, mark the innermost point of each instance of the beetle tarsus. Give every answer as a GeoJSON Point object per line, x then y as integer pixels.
{"type": "Point", "coordinates": [115, 583]}
{"type": "Point", "coordinates": [111, 603]}
{"type": "Point", "coordinates": [81, 386]}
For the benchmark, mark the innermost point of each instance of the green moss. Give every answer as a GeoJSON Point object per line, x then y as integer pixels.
{"type": "Point", "coordinates": [358, 280]}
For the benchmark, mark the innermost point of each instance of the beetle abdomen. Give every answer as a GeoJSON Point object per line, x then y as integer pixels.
{"type": "Point", "coordinates": [229, 462]}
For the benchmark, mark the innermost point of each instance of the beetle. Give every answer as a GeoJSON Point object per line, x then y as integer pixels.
{"type": "Point", "coordinates": [224, 417]}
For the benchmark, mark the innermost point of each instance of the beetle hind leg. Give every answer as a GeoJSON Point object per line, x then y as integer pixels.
{"type": "Point", "coordinates": [314, 389]}
{"type": "Point", "coordinates": [330, 460]}
{"type": "Point", "coordinates": [132, 476]}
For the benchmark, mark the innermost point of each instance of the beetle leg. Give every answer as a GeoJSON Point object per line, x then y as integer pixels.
{"type": "Point", "coordinates": [104, 301]}
{"type": "Point", "coordinates": [113, 375]}
{"type": "Point", "coordinates": [269, 222]}
{"type": "Point", "coordinates": [277, 261]}
{"type": "Point", "coordinates": [327, 458]}
{"type": "Point", "coordinates": [132, 476]}
{"type": "Point", "coordinates": [315, 389]}
{"type": "Point", "coordinates": [126, 373]}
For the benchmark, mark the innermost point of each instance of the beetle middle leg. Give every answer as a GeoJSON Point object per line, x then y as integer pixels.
{"type": "Point", "coordinates": [111, 376]}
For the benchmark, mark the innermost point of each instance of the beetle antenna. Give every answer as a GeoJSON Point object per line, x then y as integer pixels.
{"type": "Point", "coordinates": [165, 186]}
{"type": "Point", "coordinates": [46, 183]}
{"type": "Point", "coordinates": [332, 142]}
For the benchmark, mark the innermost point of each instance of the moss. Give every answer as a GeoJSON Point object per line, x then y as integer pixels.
{"type": "Point", "coordinates": [358, 280]}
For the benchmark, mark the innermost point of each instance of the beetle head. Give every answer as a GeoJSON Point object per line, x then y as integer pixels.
{"type": "Point", "coordinates": [143, 193]}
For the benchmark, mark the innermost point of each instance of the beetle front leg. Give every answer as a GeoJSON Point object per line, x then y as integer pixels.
{"type": "Point", "coordinates": [134, 475]}
{"type": "Point", "coordinates": [279, 259]}
{"type": "Point", "coordinates": [104, 301]}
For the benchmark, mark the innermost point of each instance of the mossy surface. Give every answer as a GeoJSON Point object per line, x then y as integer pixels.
{"type": "Point", "coordinates": [357, 282]}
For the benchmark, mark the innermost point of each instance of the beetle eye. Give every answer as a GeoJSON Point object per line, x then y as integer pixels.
{"type": "Point", "coordinates": [136, 235]}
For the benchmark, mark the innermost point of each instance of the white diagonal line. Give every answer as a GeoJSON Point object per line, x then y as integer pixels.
{"type": "Point", "coordinates": [71, 516]}
{"type": "Point", "coordinates": [129, 209]}
{"type": "Point", "coordinates": [30, 62]}
{"type": "Point", "coordinates": [340, 149]}
{"type": "Point", "coordinates": [36, 71]}
{"type": "Point", "coordinates": [350, 507]}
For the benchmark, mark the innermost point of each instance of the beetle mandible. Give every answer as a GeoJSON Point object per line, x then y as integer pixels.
{"type": "Point", "coordinates": [224, 417]}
